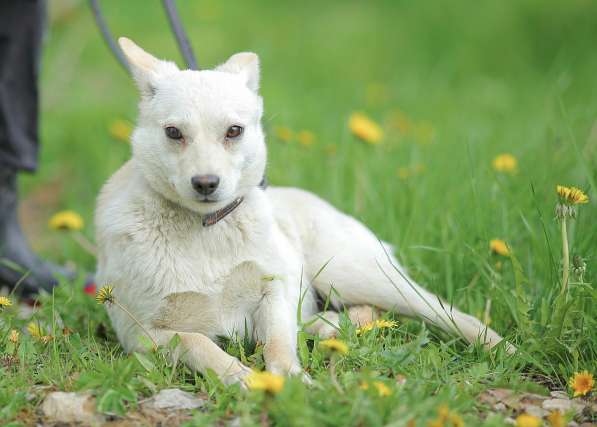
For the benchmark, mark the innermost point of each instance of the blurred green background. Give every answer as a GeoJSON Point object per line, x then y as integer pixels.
{"type": "Point", "coordinates": [453, 84]}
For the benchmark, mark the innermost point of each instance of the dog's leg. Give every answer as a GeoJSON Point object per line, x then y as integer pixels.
{"type": "Point", "coordinates": [277, 329]}
{"type": "Point", "coordinates": [202, 354]}
{"type": "Point", "coordinates": [380, 281]}
{"type": "Point", "coordinates": [342, 253]}
{"type": "Point", "coordinates": [362, 271]}
{"type": "Point", "coordinates": [327, 323]}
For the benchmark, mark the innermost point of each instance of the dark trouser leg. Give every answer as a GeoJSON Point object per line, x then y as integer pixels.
{"type": "Point", "coordinates": [21, 30]}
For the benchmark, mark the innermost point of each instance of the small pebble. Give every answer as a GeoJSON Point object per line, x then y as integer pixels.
{"type": "Point", "coordinates": [173, 399]}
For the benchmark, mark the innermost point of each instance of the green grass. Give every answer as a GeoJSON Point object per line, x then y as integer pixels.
{"type": "Point", "coordinates": [488, 77]}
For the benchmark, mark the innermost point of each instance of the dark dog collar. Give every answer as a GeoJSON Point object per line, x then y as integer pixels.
{"type": "Point", "coordinates": [214, 217]}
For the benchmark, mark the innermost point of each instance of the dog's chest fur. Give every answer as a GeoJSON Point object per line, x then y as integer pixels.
{"type": "Point", "coordinates": [174, 274]}
{"type": "Point", "coordinates": [228, 310]}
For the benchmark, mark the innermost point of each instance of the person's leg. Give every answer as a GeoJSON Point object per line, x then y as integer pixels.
{"type": "Point", "coordinates": [17, 262]}
{"type": "Point", "coordinates": [21, 32]}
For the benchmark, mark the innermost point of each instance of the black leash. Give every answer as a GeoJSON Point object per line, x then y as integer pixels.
{"type": "Point", "coordinates": [181, 37]}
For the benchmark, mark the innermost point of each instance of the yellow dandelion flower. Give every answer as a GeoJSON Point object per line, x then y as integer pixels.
{"type": "Point", "coordinates": [305, 137]}
{"type": "Point", "coordinates": [35, 330]}
{"type": "Point", "coordinates": [14, 336]}
{"type": "Point", "coordinates": [265, 381]}
{"type": "Point", "coordinates": [571, 195]}
{"type": "Point", "coordinates": [582, 383]}
{"type": "Point", "coordinates": [46, 339]}
{"type": "Point", "coordinates": [446, 418]}
{"type": "Point", "coordinates": [456, 420]}
{"type": "Point", "coordinates": [5, 302]}
{"type": "Point", "coordinates": [66, 220]}
{"type": "Point", "coordinates": [364, 128]}
{"type": "Point", "coordinates": [105, 295]}
{"type": "Point", "coordinates": [499, 247]}
{"type": "Point", "coordinates": [120, 130]}
{"type": "Point", "coordinates": [400, 120]}
{"type": "Point", "coordinates": [556, 419]}
{"type": "Point", "coordinates": [505, 163]}
{"type": "Point", "coordinates": [334, 345]}
{"type": "Point", "coordinates": [376, 324]}
{"type": "Point", "coordinates": [382, 389]}
{"type": "Point", "coordinates": [526, 420]}
{"type": "Point", "coordinates": [443, 412]}
{"type": "Point", "coordinates": [283, 133]}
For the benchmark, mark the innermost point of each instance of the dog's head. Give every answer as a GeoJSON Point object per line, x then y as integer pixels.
{"type": "Point", "coordinates": [198, 139]}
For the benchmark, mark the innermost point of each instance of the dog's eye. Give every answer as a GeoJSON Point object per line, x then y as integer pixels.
{"type": "Point", "coordinates": [234, 132]}
{"type": "Point", "coordinates": [173, 133]}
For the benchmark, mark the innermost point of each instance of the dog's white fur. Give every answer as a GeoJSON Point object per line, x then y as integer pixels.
{"type": "Point", "coordinates": [247, 271]}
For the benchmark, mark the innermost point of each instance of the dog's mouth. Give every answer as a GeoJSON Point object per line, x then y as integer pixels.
{"type": "Point", "coordinates": [206, 200]}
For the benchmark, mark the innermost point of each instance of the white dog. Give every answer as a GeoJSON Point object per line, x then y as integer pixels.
{"type": "Point", "coordinates": [194, 246]}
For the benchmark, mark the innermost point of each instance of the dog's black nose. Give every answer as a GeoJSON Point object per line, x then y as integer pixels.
{"type": "Point", "coordinates": [205, 184]}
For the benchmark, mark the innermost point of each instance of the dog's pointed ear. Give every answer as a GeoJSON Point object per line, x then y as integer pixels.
{"type": "Point", "coordinates": [246, 65]}
{"type": "Point", "coordinates": [144, 67]}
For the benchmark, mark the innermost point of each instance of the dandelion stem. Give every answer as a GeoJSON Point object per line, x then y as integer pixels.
{"type": "Point", "coordinates": [487, 312]}
{"type": "Point", "coordinates": [565, 256]}
{"type": "Point", "coordinates": [333, 377]}
{"type": "Point", "coordinates": [123, 308]}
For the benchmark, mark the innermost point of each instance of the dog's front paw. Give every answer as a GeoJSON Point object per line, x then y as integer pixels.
{"type": "Point", "coordinates": [236, 375]}
{"type": "Point", "coordinates": [281, 368]}
{"type": "Point", "coordinates": [293, 370]}
{"type": "Point", "coordinates": [297, 371]}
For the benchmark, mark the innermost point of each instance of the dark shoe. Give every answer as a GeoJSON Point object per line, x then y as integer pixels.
{"type": "Point", "coordinates": [19, 266]}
